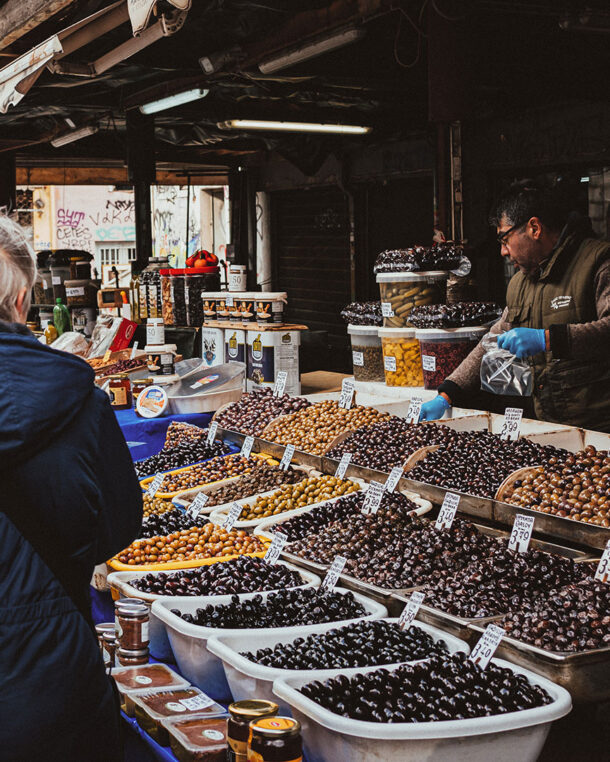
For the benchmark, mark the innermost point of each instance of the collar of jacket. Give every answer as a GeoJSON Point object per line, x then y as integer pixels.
{"type": "Point", "coordinates": [576, 229]}
{"type": "Point", "coordinates": [6, 327]}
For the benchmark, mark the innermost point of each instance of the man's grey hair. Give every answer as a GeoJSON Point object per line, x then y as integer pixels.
{"type": "Point", "coordinates": [17, 269]}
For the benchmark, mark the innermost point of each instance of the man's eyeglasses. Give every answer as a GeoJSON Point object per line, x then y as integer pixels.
{"type": "Point", "coordinates": [502, 238]}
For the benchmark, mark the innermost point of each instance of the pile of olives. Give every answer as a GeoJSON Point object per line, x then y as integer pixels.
{"type": "Point", "coordinates": [179, 455]}
{"type": "Point", "coordinates": [168, 522]}
{"type": "Point", "coordinates": [253, 411]}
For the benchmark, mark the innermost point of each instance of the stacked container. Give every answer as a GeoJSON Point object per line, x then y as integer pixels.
{"type": "Point", "coordinates": [442, 350]}
{"type": "Point", "coordinates": [401, 357]}
{"type": "Point", "coordinates": [367, 355]}
{"type": "Point", "coordinates": [402, 291]}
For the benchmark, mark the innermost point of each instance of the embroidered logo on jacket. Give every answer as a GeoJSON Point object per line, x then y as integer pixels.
{"type": "Point", "coordinates": [560, 301]}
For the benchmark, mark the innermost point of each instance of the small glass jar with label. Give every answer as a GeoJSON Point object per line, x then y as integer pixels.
{"type": "Point", "coordinates": [275, 739]}
{"type": "Point", "coordinates": [138, 386]}
{"type": "Point", "coordinates": [127, 658]}
{"type": "Point", "coordinates": [119, 390]}
{"type": "Point", "coordinates": [241, 714]}
{"type": "Point", "coordinates": [132, 629]}
{"type": "Point", "coordinates": [109, 649]}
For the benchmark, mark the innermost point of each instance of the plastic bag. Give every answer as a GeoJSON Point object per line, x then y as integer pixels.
{"type": "Point", "coordinates": [502, 372]}
{"type": "Point", "coordinates": [72, 342]}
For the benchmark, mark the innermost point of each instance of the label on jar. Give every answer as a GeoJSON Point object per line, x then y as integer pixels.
{"type": "Point", "coordinates": [332, 575]}
{"type": "Point", "coordinates": [56, 280]}
{"type": "Point", "coordinates": [486, 645]}
{"type": "Point", "coordinates": [213, 735]}
{"type": "Point", "coordinates": [343, 464]}
{"type": "Point", "coordinates": [410, 610]}
{"type": "Point", "coordinates": [232, 517]}
{"type": "Point", "coordinates": [358, 358]}
{"type": "Point", "coordinates": [155, 331]}
{"type": "Point", "coordinates": [246, 448]}
{"type": "Point", "coordinates": [414, 409]}
{"type": "Point", "coordinates": [143, 679]}
{"type": "Point", "coordinates": [154, 485]}
{"type": "Point", "coordinates": [346, 398]}
{"type": "Point", "coordinates": [428, 362]}
{"type": "Point", "coordinates": [372, 498]}
{"type": "Point", "coordinates": [118, 396]}
{"type": "Point", "coordinates": [75, 291]}
{"type": "Point", "coordinates": [602, 572]}
{"type": "Point", "coordinates": [512, 423]}
{"type": "Point", "coordinates": [447, 511]}
{"type": "Point", "coordinates": [522, 533]}
{"type": "Point", "coordinates": [200, 701]}
{"type": "Point", "coordinates": [187, 299]}
{"type": "Point", "coordinates": [389, 364]}
{"type": "Point", "coordinates": [287, 457]}
{"type": "Point", "coordinates": [228, 301]}
{"type": "Point", "coordinates": [386, 309]}
{"type": "Point", "coordinates": [280, 383]}
{"type": "Point", "coordinates": [145, 634]}
{"type": "Point", "coordinates": [45, 284]}
{"type": "Point", "coordinates": [212, 429]}
{"type": "Point", "coordinates": [197, 505]}
{"type": "Point", "coordinates": [275, 549]}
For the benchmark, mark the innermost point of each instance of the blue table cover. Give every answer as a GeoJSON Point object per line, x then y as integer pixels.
{"type": "Point", "coordinates": [146, 436]}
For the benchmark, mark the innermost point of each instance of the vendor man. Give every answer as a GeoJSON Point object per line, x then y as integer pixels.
{"type": "Point", "coordinates": [557, 314]}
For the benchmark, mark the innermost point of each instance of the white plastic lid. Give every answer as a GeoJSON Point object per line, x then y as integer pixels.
{"type": "Point", "coordinates": [155, 348]}
{"type": "Point", "coordinates": [363, 330]}
{"type": "Point", "coordinates": [396, 333]}
{"type": "Point", "coordinates": [262, 296]}
{"type": "Point", "coordinates": [405, 277]}
{"type": "Point", "coordinates": [429, 334]}
{"type": "Point", "coordinates": [152, 402]}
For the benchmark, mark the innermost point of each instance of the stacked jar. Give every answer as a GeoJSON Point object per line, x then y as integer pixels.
{"type": "Point", "coordinates": [177, 278]}
{"type": "Point", "coordinates": [442, 350]}
{"type": "Point", "coordinates": [131, 623]}
{"type": "Point", "coordinates": [367, 355]}
{"type": "Point", "coordinates": [402, 291]}
{"type": "Point", "coordinates": [167, 301]}
{"type": "Point", "coordinates": [401, 357]}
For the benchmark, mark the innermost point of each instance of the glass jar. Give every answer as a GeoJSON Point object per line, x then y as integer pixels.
{"type": "Point", "coordinates": [193, 288]}
{"type": "Point", "coordinates": [132, 631]}
{"type": "Point", "coordinates": [143, 295]}
{"type": "Point", "coordinates": [100, 629]}
{"type": "Point", "coordinates": [442, 350]}
{"type": "Point", "coordinates": [177, 285]}
{"type": "Point", "coordinates": [401, 358]}
{"type": "Point", "coordinates": [138, 386]}
{"type": "Point", "coordinates": [128, 658]}
{"type": "Point", "coordinates": [367, 355]}
{"type": "Point", "coordinates": [59, 275]}
{"type": "Point", "coordinates": [167, 306]}
{"type": "Point", "coordinates": [401, 292]}
{"type": "Point", "coordinates": [109, 649]}
{"type": "Point", "coordinates": [241, 714]}
{"type": "Point", "coordinates": [275, 739]}
{"type": "Point", "coordinates": [119, 389]}
{"type": "Point", "coordinates": [47, 285]}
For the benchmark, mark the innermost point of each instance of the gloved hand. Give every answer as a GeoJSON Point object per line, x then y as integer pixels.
{"type": "Point", "coordinates": [434, 409]}
{"type": "Point", "coordinates": [523, 342]}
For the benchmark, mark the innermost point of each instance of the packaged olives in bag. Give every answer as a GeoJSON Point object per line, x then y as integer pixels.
{"type": "Point", "coordinates": [502, 372]}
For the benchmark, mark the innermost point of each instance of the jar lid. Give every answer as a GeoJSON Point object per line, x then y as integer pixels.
{"type": "Point", "coordinates": [165, 271]}
{"type": "Point", "coordinates": [272, 727]}
{"type": "Point", "coordinates": [361, 330]}
{"type": "Point", "coordinates": [103, 627]}
{"type": "Point", "coordinates": [396, 333]}
{"type": "Point", "coordinates": [118, 375]}
{"type": "Point", "coordinates": [152, 402]}
{"type": "Point", "coordinates": [109, 636]}
{"type": "Point", "coordinates": [124, 601]}
{"type": "Point", "coordinates": [209, 269]}
{"type": "Point", "coordinates": [405, 277]}
{"type": "Point", "coordinates": [251, 708]}
{"type": "Point", "coordinates": [136, 653]}
{"type": "Point", "coordinates": [131, 610]}
{"type": "Point", "coordinates": [428, 334]}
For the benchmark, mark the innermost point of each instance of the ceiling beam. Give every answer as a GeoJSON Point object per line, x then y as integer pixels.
{"type": "Point", "coordinates": [19, 17]}
{"type": "Point", "coordinates": [109, 176]}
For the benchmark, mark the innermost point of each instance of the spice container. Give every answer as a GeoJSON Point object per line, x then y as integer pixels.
{"type": "Point", "coordinates": [401, 357]}
{"type": "Point", "coordinates": [153, 281]}
{"type": "Point", "coordinates": [81, 293]}
{"type": "Point", "coordinates": [401, 292]}
{"type": "Point", "coordinates": [160, 360]}
{"type": "Point", "coordinates": [119, 389]}
{"type": "Point", "coordinates": [275, 739]}
{"type": "Point", "coordinates": [167, 301]}
{"type": "Point", "coordinates": [442, 350]}
{"type": "Point", "coordinates": [153, 708]}
{"type": "Point", "coordinates": [241, 714]}
{"type": "Point", "coordinates": [177, 278]}
{"type": "Point", "coordinates": [367, 355]}
{"type": "Point", "coordinates": [132, 627]}
{"type": "Point", "coordinates": [198, 739]}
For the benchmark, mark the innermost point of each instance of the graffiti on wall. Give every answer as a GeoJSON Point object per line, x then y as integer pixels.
{"type": "Point", "coordinates": [70, 230]}
{"type": "Point", "coordinates": [170, 236]}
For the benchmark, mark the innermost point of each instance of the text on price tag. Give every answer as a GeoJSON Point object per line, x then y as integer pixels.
{"type": "Point", "coordinates": [386, 309]}
{"type": "Point", "coordinates": [332, 575]}
{"type": "Point", "coordinates": [522, 532]}
{"type": "Point", "coordinates": [512, 423]}
{"type": "Point", "coordinates": [232, 517]}
{"type": "Point", "coordinates": [410, 610]}
{"type": "Point", "coordinates": [134, 349]}
{"type": "Point", "coordinates": [486, 645]}
{"type": "Point", "coordinates": [428, 362]}
{"type": "Point", "coordinates": [389, 363]}
{"type": "Point", "coordinates": [200, 701]}
{"type": "Point", "coordinates": [280, 383]}
{"type": "Point", "coordinates": [603, 568]}
{"type": "Point", "coordinates": [447, 511]}
{"type": "Point", "coordinates": [393, 479]}
{"type": "Point", "coordinates": [343, 464]}
{"type": "Point", "coordinates": [275, 549]}
{"type": "Point", "coordinates": [246, 448]}
{"type": "Point", "coordinates": [287, 457]}
{"type": "Point", "coordinates": [107, 356]}
{"type": "Point", "coordinates": [414, 409]}
{"type": "Point", "coordinates": [346, 397]}
{"type": "Point", "coordinates": [195, 508]}
{"type": "Point", "coordinates": [358, 358]}
{"type": "Point", "coordinates": [372, 498]}
{"type": "Point", "coordinates": [154, 485]}
{"type": "Point", "coordinates": [213, 428]}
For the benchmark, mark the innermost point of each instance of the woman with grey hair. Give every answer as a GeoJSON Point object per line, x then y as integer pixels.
{"type": "Point", "coordinates": [70, 499]}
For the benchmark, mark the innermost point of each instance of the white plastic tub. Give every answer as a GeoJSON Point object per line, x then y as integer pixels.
{"type": "Point", "coordinates": [248, 680]}
{"type": "Point", "coordinates": [512, 737]}
{"type": "Point", "coordinates": [159, 644]}
{"type": "Point", "coordinates": [189, 641]}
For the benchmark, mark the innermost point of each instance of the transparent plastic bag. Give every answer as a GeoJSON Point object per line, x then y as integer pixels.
{"type": "Point", "coordinates": [502, 372]}
{"type": "Point", "coordinates": [72, 342]}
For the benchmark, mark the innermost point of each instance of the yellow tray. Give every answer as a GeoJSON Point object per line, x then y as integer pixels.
{"type": "Point", "coordinates": [114, 565]}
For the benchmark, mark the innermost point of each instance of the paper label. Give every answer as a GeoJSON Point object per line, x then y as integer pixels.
{"type": "Point", "coordinates": [232, 517]}
{"type": "Point", "coordinates": [358, 358]}
{"type": "Point", "coordinates": [346, 398]}
{"type": "Point", "coordinates": [56, 280]}
{"type": "Point", "coordinates": [246, 448]}
{"type": "Point", "coordinates": [195, 508]}
{"type": "Point", "coordinates": [280, 383]}
{"type": "Point", "coordinates": [414, 409]}
{"type": "Point", "coordinates": [410, 610]}
{"type": "Point", "coordinates": [448, 511]}
{"type": "Point", "coordinates": [428, 362]}
{"type": "Point", "coordinates": [486, 645]}
{"type": "Point", "coordinates": [343, 464]}
{"type": "Point", "coordinates": [107, 355]}
{"type": "Point", "coordinates": [200, 701]}
{"type": "Point", "coordinates": [275, 549]}
{"type": "Point", "coordinates": [389, 364]}
{"type": "Point", "coordinates": [603, 568]}
{"type": "Point", "coordinates": [522, 532]}
{"type": "Point", "coordinates": [154, 485]}
{"type": "Point", "coordinates": [75, 291]}
{"type": "Point", "coordinates": [228, 301]}
{"type": "Point", "coordinates": [393, 479]}
{"type": "Point", "coordinates": [512, 423]}
{"type": "Point", "coordinates": [287, 457]}
{"type": "Point", "coordinates": [143, 679]}
{"type": "Point", "coordinates": [213, 428]}
{"type": "Point", "coordinates": [386, 309]}
{"type": "Point", "coordinates": [372, 498]}
{"type": "Point", "coordinates": [332, 575]}
{"type": "Point", "coordinates": [175, 706]}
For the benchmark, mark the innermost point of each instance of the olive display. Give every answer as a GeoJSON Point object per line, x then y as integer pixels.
{"type": "Point", "coordinates": [205, 473]}
{"type": "Point", "coordinates": [322, 515]}
{"type": "Point", "coordinates": [179, 455]}
{"type": "Point", "coordinates": [239, 575]}
{"type": "Point", "coordinates": [439, 256]}
{"type": "Point", "coordinates": [155, 505]}
{"type": "Point", "coordinates": [287, 608]}
{"type": "Point", "coordinates": [253, 411]}
{"type": "Point", "coordinates": [363, 313]}
{"type": "Point", "coordinates": [168, 522]}
{"type": "Point", "coordinates": [442, 688]}
{"type": "Point", "coordinates": [456, 315]}
{"type": "Point", "coordinates": [359, 644]}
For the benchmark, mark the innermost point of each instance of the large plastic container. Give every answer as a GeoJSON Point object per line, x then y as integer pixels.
{"type": "Point", "coordinates": [401, 357]}
{"type": "Point", "coordinates": [189, 641]}
{"type": "Point", "coordinates": [367, 357]}
{"type": "Point", "coordinates": [501, 738]}
{"type": "Point", "coordinates": [270, 307]}
{"type": "Point", "coordinates": [197, 281]}
{"type": "Point", "coordinates": [177, 278]}
{"type": "Point", "coordinates": [442, 350]}
{"type": "Point", "coordinates": [400, 292]}
{"type": "Point", "coordinates": [167, 301]}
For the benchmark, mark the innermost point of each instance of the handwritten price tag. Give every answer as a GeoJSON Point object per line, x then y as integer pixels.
{"type": "Point", "coordinates": [197, 505]}
{"type": "Point", "coordinates": [232, 517]}
{"type": "Point", "coordinates": [201, 701]}
{"type": "Point", "coordinates": [346, 398]}
{"type": "Point", "coordinates": [372, 499]}
{"type": "Point", "coordinates": [280, 383]}
{"type": "Point", "coordinates": [343, 464]}
{"type": "Point", "coordinates": [358, 358]}
{"type": "Point", "coordinates": [213, 428]}
{"type": "Point", "coordinates": [512, 423]}
{"type": "Point", "coordinates": [447, 511]}
{"type": "Point", "coordinates": [521, 535]}
{"type": "Point", "coordinates": [154, 485]}
{"type": "Point", "coordinates": [428, 362]}
{"type": "Point", "coordinates": [134, 349]}
{"type": "Point", "coordinates": [107, 356]}
{"type": "Point", "coordinates": [414, 409]}
{"type": "Point", "coordinates": [486, 645]}
{"type": "Point", "coordinates": [246, 448]}
{"type": "Point", "coordinates": [332, 575]}
{"type": "Point", "coordinates": [386, 309]}
{"type": "Point", "coordinates": [275, 549]}
{"type": "Point", "coordinates": [410, 610]}
{"type": "Point", "coordinates": [393, 479]}
{"type": "Point", "coordinates": [389, 364]}
{"type": "Point", "coordinates": [603, 568]}
{"type": "Point", "coordinates": [287, 457]}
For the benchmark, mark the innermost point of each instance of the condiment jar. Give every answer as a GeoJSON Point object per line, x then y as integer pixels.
{"type": "Point", "coordinates": [132, 630]}
{"type": "Point", "coordinates": [275, 739]}
{"type": "Point", "coordinates": [128, 658]}
{"type": "Point", "coordinates": [241, 714]}
{"type": "Point", "coordinates": [119, 604]}
{"type": "Point", "coordinates": [138, 386]}
{"type": "Point", "coordinates": [109, 649]}
{"type": "Point", "coordinates": [101, 628]}
{"type": "Point", "coordinates": [119, 389]}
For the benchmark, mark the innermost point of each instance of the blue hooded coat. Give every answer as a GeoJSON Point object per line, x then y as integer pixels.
{"type": "Point", "coordinates": [69, 499]}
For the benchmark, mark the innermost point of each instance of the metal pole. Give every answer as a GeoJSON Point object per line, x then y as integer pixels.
{"type": "Point", "coordinates": [188, 212]}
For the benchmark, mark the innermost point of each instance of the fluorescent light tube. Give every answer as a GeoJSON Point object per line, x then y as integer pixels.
{"type": "Point", "coordinates": [70, 137]}
{"type": "Point", "coordinates": [258, 124]}
{"type": "Point", "coordinates": [173, 100]}
{"type": "Point", "coordinates": [310, 50]}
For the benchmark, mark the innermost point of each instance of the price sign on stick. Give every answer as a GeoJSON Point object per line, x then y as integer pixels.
{"type": "Point", "coordinates": [414, 409]}
{"type": "Point", "coordinates": [280, 383]}
{"type": "Point", "coordinates": [410, 610]}
{"type": "Point", "coordinates": [287, 457]}
{"type": "Point", "coordinates": [213, 428]}
{"type": "Point", "coordinates": [343, 464]}
{"type": "Point", "coordinates": [232, 516]}
{"type": "Point", "coordinates": [522, 533]}
{"type": "Point", "coordinates": [246, 448]}
{"type": "Point", "coordinates": [275, 549]}
{"type": "Point", "coordinates": [197, 505]}
{"type": "Point", "coordinates": [154, 485]}
{"type": "Point", "coordinates": [107, 356]}
{"type": "Point", "coordinates": [393, 479]}
{"type": "Point", "coordinates": [486, 645]}
{"type": "Point", "coordinates": [134, 349]}
{"type": "Point", "coordinates": [512, 423]}
{"type": "Point", "coordinates": [447, 511]}
{"type": "Point", "coordinates": [372, 498]}
{"type": "Point", "coordinates": [603, 568]}
{"type": "Point", "coordinates": [332, 575]}
{"type": "Point", "coordinates": [346, 397]}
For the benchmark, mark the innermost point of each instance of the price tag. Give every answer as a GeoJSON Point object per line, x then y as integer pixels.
{"type": "Point", "coordinates": [486, 645]}
{"type": "Point", "coordinates": [512, 423]}
{"type": "Point", "coordinates": [372, 498]}
{"type": "Point", "coordinates": [232, 516]}
{"type": "Point", "coordinates": [200, 701]}
{"type": "Point", "coordinates": [197, 505]}
{"type": "Point", "coordinates": [410, 610]}
{"type": "Point", "coordinates": [212, 429]}
{"type": "Point", "coordinates": [154, 485]}
{"type": "Point", "coordinates": [228, 301]}
{"type": "Point", "coordinates": [393, 479]}
{"type": "Point", "coordinates": [246, 448]}
{"type": "Point", "coordinates": [332, 575]}
{"type": "Point", "coordinates": [275, 549]}
{"type": "Point", "coordinates": [428, 362]}
{"type": "Point", "coordinates": [603, 568]}
{"type": "Point", "coordinates": [134, 349]}
{"type": "Point", "coordinates": [447, 511]}
{"type": "Point", "coordinates": [386, 309]}
{"type": "Point", "coordinates": [280, 383]}
{"type": "Point", "coordinates": [56, 280]}
{"type": "Point", "coordinates": [389, 364]}
{"type": "Point", "coordinates": [287, 457]}
{"type": "Point", "coordinates": [414, 409]}
{"type": "Point", "coordinates": [358, 359]}
{"type": "Point", "coordinates": [343, 464]}
{"type": "Point", "coordinates": [522, 532]}
{"type": "Point", "coordinates": [346, 398]}
{"type": "Point", "coordinates": [107, 356]}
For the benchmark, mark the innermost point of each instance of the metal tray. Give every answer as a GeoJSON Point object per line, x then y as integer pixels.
{"type": "Point", "coordinates": [448, 622]}
{"type": "Point", "coordinates": [276, 450]}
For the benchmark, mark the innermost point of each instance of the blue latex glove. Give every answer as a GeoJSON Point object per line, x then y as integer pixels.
{"type": "Point", "coordinates": [523, 342]}
{"type": "Point", "coordinates": [434, 409]}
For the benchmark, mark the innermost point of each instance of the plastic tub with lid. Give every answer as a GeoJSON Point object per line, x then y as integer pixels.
{"type": "Point", "coordinates": [443, 349]}
{"type": "Point", "coordinates": [401, 292]}
{"type": "Point", "coordinates": [144, 678]}
{"type": "Point", "coordinates": [205, 389]}
{"type": "Point", "coordinates": [270, 307]}
{"type": "Point", "coordinates": [367, 356]}
{"type": "Point", "coordinates": [401, 357]}
{"type": "Point", "coordinates": [198, 280]}
{"type": "Point", "coordinates": [176, 280]}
